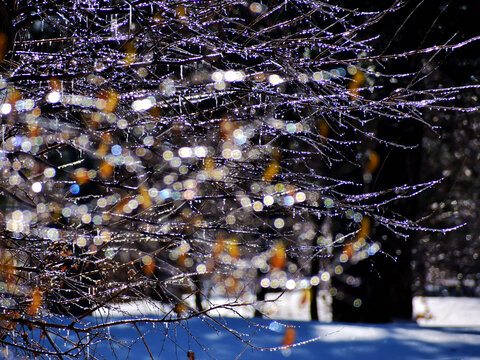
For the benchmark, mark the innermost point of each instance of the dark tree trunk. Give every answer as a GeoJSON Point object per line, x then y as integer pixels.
{"type": "Point", "coordinates": [379, 288]}
{"type": "Point", "coordinates": [198, 293]}
{"type": "Point", "coordinates": [400, 167]}
{"type": "Point", "coordinates": [261, 292]}
{"type": "Point", "coordinates": [314, 270]}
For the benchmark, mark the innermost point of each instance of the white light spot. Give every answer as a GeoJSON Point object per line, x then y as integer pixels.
{"type": "Point", "coordinates": [201, 268]}
{"type": "Point", "coordinates": [317, 76]}
{"type": "Point", "coordinates": [49, 172]}
{"type": "Point", "coordinates": [279, 223]}
{"type": "Point", "coordinates": [217, 76]}
{"type": "Point", "coordinates": [143, 104]}
{"type": "Point", "coordinates": [231, 76]}
{"type": "Point", "coordinates": [275, 79]}
{"type": "Point", "coordinates": [81, 241]}
{"type": "Point", "coordinates": [256, 7]}
{"type": "Point", "coordinates": [300, 196]}
{"type": "Point", "coordinates": [236, 154]}
{"type": "Point", "coordinates": [325, 276]}
{"type": "Point", "coordinates": [290, 284]}
{"type": "Point", "coordinates": [53, 97]}
{"type": "Point", "coordinates": [221, 85]}
{"type": "Point", "coordinates": [200, 151]}
{"type": "Point", "coordinates": [268, 200]}
{"type": "Point", "coordinates": [303, 78]}
{"type": "Point", "coordinates": [257, 206]}
{"type": "Point", "coordinates": [6, 109]}
{"type": "Point", "coordinates": [53, 234]}
{"type": "Point", "coordinates": [185, 152]}
{"type": "Point", "coordinates": [265, 283]}
{"type": "Point", "coordinates": [37, 187]}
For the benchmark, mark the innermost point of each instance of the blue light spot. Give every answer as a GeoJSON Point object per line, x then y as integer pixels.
{"type": "Point", "coordinates": [116, 150]}
{"type": "Point", "coordinates": [17, 141]}
{"type": "Point", "coordinates": [291, 128]}
{"type": "Point", "coordinates": [288, 200]}
{"type": "Point", "coordinates": [275, 326]}
{"type": "Point", "coordinates": [176, 195]}
{"type": "Point", "coordinates": [165, 193]}
{"type": "Point", "coordinates": [75, 189]}
{"type": "Point", "coordinates": [373, 249]}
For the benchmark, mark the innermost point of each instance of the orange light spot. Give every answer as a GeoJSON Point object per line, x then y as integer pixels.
{"type": "Point", "coordinates": [7, 267]}
{"type": "Point", "coordinates": [323, 128]}
{"type": "Point", "coordinates": [13, 97]}
{"type": "Point", "coordinates": [102, 150]}
{"type": "Point", "coordinates": [191, 355]}
{"type": "Point", "coordinates": [219, 246]}
{"type": "Point", "coordinates": [118, 209]}
{"type": "Point", "coordinates": [107, 138]}
{"type": "Point", "coordinates": [233, 250]}
{"type": "Point", "coordinates": [105, 170]}
{"type": "Point", "coordinates": [278, 259]}
{"type": "Point", "coordinates": [147, 201]}
{"type": "Point", "coordinates": [55, 84]}
{"type": "Point", "coordinates": [289, 337]}
{"type": "Point", "coordinates": [365, 228]}
{"type": "Point", "coordinates": [208, 164]}
{"type": "Point", "coordinates": [155, 111]}
{"type": "Point", "coordinates": [348, 250]}
{"type": "Point", "coordinates": [149, 268]}
{"type": "Point", "coordinates": [271, 171]}
{"type": "Point", "coordinates": [305, 297]}
{"type": "Point", "coordinates": [181, 259]}
{"type": "Point", "coordinates": [36, 112]}
{"type": "Point", "coordinates": [111, 100]}
{"type": "Point", "coordinates": [227, 128]}
{"type": "Point", "coordinates": [37, 300]}
{"type": "Point", "coordinates": [81, 176]}
{"type": "Point", "coordinates": [34, 130]}
{"type": "Point", "coordinates": [181, 12]}
{"type": "Point", "coordinates": [373, 162]}
{"type": "Point", "coordinates": [130, 52]}
{"type": "Point", "coordinates": [231, 285]}
{"type": "Point", "coordinates": [180, 309]}
{"type": "Point", "coordinates": [357, 81]}
{"type": "Point", "coordinates": [104, 145]}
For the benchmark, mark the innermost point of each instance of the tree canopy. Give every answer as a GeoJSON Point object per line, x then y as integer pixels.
{"type": "Point", "coordinates": [177, 151]}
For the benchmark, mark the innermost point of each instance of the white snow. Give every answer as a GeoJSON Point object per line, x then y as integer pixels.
{"type": "Point", "coordinates": [447, 329]}
{"type": "Point", "coordinates": [446, 311]}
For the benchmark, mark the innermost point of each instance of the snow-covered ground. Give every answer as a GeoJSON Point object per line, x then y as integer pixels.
{"type": "Point", "coordinates": [446, 328]}
{"type": "Point", "coordinates": [317, 341]}
{"type": "Point", "coordinates": [447, 311]}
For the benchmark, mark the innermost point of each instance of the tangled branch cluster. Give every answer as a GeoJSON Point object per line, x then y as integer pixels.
{"type": "Point", "coordinates": [172, 149]}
